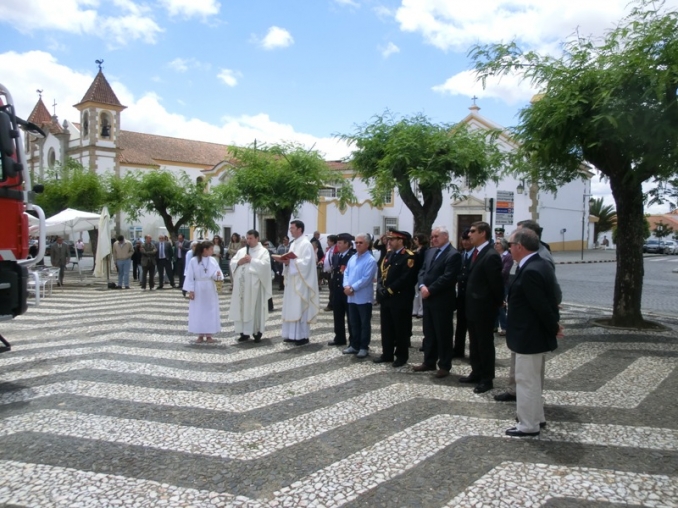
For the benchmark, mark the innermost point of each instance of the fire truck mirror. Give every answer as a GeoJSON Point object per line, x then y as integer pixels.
{"type": "Point", "coordinates": [7, 146]}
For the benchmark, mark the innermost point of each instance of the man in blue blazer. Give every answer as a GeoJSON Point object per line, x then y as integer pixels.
{"type": "Point", "coordinates": [532, 325]}
{"type": "Point", "coordinates": [436, 282]}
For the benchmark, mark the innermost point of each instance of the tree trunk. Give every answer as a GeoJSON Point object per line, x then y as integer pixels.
{"type": "Point", "coordinates": [282, 224]}
{"type": "Point", "coordinates": [628, 284]}
{"type": "Point", "coordinates": [94, 240]}
{"type": "Point", "coordinates": [423, 215]}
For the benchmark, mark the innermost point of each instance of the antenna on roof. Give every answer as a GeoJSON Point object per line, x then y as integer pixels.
{"type": "Point", "coordinates": [99, 63]}
{"type": "Point", "coordinates": [39, 93]}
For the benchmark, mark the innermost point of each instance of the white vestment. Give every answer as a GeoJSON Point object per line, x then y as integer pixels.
{"type": "Point", "coordinates": [203, 310]}
{"type": "Point", "coordinates": [252, 288]}
{"type": "Point", "coordinates": [301, 301]}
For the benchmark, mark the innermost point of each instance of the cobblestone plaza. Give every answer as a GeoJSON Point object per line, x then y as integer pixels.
{"type": "Point", "coordinates": [105, 402]}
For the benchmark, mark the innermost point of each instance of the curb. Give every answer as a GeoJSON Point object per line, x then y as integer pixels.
{"type": "Point", "coordinates": [585, 262]}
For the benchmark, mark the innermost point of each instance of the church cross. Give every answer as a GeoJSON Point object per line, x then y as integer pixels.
{"type": "Point", "coordinates": [474, 99]}
{"type": "Point", "coordinates": [54, 106]}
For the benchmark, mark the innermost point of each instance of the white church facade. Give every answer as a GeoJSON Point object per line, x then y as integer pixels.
{"type": "Point", "coordinates": [101, 145]}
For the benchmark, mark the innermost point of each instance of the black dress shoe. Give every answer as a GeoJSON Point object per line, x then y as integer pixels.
{"type": "Point", "coordinates": [257, 337]}
{"type": "Point", "coordinates": [514, 432]}
{"type": "Point", "coordinates": [301, 342]}
{"type": "Point", "coordinates": [288, 340]}
{"type": "Point", "coordinates": [336, 343]}
{"type": "Point", "coordinates": [381, 359]}
{"type": "Point", "coordinates": [423, 368]}
{"type": "Point", "coordinates": [505, 397]}
{"type": "Point", "coordinates": [243, 337]}
{"type": "Point", "coordinates": [483, 387]}
{"type": "Point", "coordinates": [399, 363]}
{"type": "Point", "coordinates": [469, 379]}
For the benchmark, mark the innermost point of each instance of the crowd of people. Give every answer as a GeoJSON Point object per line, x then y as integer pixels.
{"type": "Point", "coordinates": [493, 284]}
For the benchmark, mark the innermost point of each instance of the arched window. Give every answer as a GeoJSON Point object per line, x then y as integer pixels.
{"type": "Point", "coordinates": [85, 124]}
{"type": "Point", "coordinates": [105, 125]}
{"type": "Point", "coordinates": [51, 157]}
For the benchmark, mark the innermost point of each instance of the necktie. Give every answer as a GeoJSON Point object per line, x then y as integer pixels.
{"type": "Point", "coordinates": [162, 251]}
{"type": "Point", "coordinates": [475, 255]}
{"type": "Point", "coordinates": [438, 251]}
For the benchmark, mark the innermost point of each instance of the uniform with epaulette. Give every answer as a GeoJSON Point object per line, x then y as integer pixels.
{"type": "Point", "coordinates": [339, 298]}
{"type": "Point", "coordinates": [395, 293]}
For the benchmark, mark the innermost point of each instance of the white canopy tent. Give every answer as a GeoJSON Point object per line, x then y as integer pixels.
{"type": "Point", "coordinates": [71, 221]}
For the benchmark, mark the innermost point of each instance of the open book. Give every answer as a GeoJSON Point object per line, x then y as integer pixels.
{"type": "Point", "coordinates": [284, 257]}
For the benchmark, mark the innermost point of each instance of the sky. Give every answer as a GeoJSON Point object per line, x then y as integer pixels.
{"type": "Point", "coordinates": [232, 71]}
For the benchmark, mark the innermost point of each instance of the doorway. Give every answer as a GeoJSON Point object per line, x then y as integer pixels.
{"type": "Point", "coordinates": [464, 222]}
{"type": "Point", "coordinates": [270, 231]}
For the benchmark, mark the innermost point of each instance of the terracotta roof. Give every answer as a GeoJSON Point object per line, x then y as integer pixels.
{"type": "Point", "coordinates": [339, 165]}
{"type": "Point", "coordinates": [667, 219]}
{"type": "Point", "coordinates": [100, 91]}
{"type": "Point", "coordinates": [148, 149]}
{"type": "Point", "coordinates": [40, 116]}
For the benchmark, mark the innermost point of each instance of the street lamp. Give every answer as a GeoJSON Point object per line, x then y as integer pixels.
{"type": "Point", "coordinates": [521, 187]}
{"type": "Point", "coordinates": [583, 219]}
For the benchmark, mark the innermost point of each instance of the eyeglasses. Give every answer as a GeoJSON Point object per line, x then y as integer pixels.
{"type": "Point", "coordinates": [359, 243]}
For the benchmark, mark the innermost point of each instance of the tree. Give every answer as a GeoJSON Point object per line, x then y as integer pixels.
{"type": "Point", "coordinates": [610, 103]}
{"type": "Point", "coordinates": [279, 178]}
{"type": "Point", "coordinates": [607, 217]}
{"type": "Point", "coordinates": [178, 200]}
{"type": "Point", "coordinates": [72, 186]}
{"type": "Point", "coordinates": [662, 230]}
{"type": "Point", "coordinates": [422, 159]}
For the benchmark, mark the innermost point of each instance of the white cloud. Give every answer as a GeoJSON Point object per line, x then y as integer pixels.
{"type": "Point", "coordinates": [229, 77]}
{"type": "Point", "coordinates": [38, 69]}
{"type": "Point", "coordinates": [535, 23]}
{"type": "Point", "coordinates": [389, 49]}
{"type": "Point", "coordinates": [184, 64]}
{"type": "Point", "coordinates": [509, 89]}
{"type": "Point", "coordinates": [350, 3]}
{"type": "Point", "coordinates": [82, 17]}
{"type": "Point", "coordinates": [277, 37]}
{"type": "Point", "coordinates": [190, 8]}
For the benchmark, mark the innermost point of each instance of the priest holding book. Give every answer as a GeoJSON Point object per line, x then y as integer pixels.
{"type": "Point", "coordinates": [301, 302]}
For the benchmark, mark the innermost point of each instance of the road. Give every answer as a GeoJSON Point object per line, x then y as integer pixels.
{"type": "Point", "coordinates": [593, 284]}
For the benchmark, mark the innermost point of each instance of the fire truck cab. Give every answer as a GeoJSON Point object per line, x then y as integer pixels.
{"type": "Point", "coordinates": [16, 196]}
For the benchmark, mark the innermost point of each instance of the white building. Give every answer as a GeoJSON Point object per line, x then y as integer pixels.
{"type": "Point", "coordinates": [100, 144]}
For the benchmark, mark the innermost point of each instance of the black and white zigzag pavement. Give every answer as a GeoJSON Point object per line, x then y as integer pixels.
{"type": "Point", "coordinates": [105, 402]}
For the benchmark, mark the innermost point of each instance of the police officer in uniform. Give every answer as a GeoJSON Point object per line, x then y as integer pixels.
{"type": "Point", "coordinates": [342, 254]}
{"type": "Point", "coordinates": [395, 293]}
{"type": "Point", "coordinates": [466, 249]}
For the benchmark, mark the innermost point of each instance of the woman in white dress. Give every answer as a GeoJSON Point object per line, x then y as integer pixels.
{"type": "Point", "coordinates": [203, 308]}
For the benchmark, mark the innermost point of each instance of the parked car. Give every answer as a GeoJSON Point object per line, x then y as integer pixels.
{"type": "Point", "coordinates": [670, 247]}
{"type": "Point", "coordinates": [653, 247]}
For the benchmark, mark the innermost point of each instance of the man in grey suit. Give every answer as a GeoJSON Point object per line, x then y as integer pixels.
{"type": "Point", "coordinates": [60, 256]}
{"type": "Point", "coordinates": [437, 280]}
{"type": "Point", "coordinates": [532, 325]}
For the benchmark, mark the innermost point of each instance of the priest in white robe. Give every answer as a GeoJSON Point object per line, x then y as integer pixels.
{"type": "Point", "coordinates": [252, 288]}
{"type": "Point", "coordinates": [203, 308]}
{"type": "Point", "coordinates": [301, 302]}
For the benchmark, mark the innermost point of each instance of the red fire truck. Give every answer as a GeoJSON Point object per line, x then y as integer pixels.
{"type": "Point", "coordinates": [16, 196]}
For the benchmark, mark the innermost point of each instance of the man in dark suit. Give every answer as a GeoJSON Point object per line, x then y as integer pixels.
{"type": "Point", "coordinates": [165, 257]}
{"type": "Point", "coordinates": [149, 253]}
{"type": "Point", "coordinates": [437, 280]}
{"type": "Point", "coordinates": [484, 295]}
{"type": "Point", "coordinates": [395, 293]}
{"type": "Point", "coordinates": [532, 325]}
{"type": "Point", "coordinates": [182, 247]}
{"type": "Point", "coordinates": [466, 250]}
{"type": "Point", "coordinates": [341, 254]}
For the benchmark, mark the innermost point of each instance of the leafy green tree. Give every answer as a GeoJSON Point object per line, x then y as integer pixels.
{"type": "Point", "coordinates": [178, 200]}
{"type": "Point", "coordinates": [74, 186]}
{"type": "Point", "coordinates": [610, 102]}
{"type": "Point", "coordinates": [662, 230]}
{"type": "Point", "coordinates": [279, 178]}
{"type": "Point", "coordinates": [422, 159]}
{"type": "Point", "coordinates": [607, 217]}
